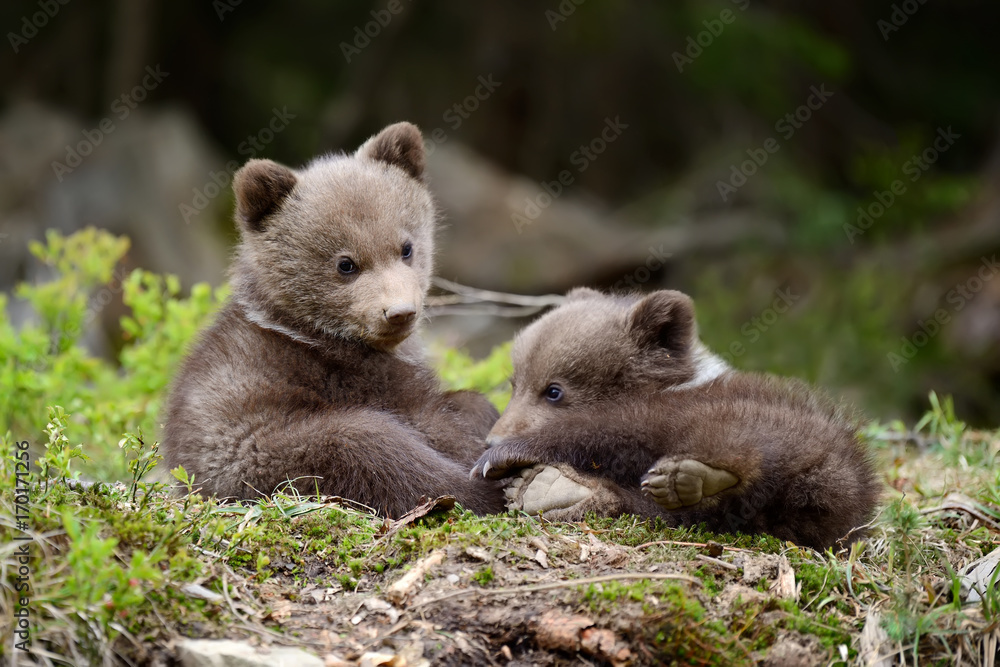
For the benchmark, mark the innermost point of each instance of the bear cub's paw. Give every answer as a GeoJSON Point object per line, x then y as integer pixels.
{"type": "Point", "coordinates": [545, 488]}
{"type": "Point", "coordinates": [675, 483]}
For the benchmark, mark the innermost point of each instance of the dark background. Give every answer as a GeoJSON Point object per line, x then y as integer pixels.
{"type": "Point", "coordinates": [899, 74]}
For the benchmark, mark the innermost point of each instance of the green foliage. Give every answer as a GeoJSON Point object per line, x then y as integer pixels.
{"type": "Point", "coordinates": [97, 585]}
{"type": "Point", "coordinates": [45, 362]}
{"type": "Point", "coordinates": [110, 560]}
{"type": "Point", "coordinates": [141, 458]}
{"type": "Point", "coordinates": [926, 195]}
{"type": "Point", "coordinates": [483, 576]}
{"type": "Point", "coordinates": [57, 461]}
{"type": "Point", "coordinates": [775, 40]}
{"type": "Point", "coordinates": [859, 313]}
{"type": "Point", "coordinates": [941, 422]}
{"type": "Point", "coordinates": [489, 376]}
{"type": "Point", "coordinates": [96, 561]}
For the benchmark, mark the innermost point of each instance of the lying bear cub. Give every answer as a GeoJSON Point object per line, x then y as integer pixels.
{"type": "Point", "coordinates": [617, 407]}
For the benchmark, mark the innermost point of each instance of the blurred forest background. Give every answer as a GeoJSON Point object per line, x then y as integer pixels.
{"type": "Point", "coordinates": [821, 177]}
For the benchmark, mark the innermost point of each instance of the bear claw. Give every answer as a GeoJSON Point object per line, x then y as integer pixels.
{"type": "Point", "coordinates": [674, 483]}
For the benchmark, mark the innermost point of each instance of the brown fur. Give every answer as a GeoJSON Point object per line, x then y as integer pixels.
{"type": "Point", "coordinates": [629, 369]}
{"type": "Point", "coordinates": [309, 373]}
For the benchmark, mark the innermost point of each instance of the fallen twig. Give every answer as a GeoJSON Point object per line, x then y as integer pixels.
{"type": "Point", "coordinates": [475, 295]}
{"type": "Point", "coordinates": [716, 561]}
{"type": "Point", "coordinates": [465, 300]}
{"type": "Point", "coordinates": [404, 587]}
{"type": "Point", "coordinates": [958, 501]}
{"type": "Point", "coordinates": [674, 543]}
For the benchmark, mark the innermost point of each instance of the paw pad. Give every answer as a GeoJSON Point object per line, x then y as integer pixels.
{"type": "Point", "coordinates": [544, 488]}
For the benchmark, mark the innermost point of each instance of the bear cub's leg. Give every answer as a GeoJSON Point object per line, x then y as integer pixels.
{"type": "Point", "coordinates": [674, 482]}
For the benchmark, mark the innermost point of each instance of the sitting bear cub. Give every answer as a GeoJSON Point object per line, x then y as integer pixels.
{"type": "Point", "coordinates": [611, 390]}
{"type": "Point", "coordinates": [310, 373]}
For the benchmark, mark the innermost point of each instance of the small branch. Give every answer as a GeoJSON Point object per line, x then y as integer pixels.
{"type": "Point", "coordinates": [962, 503]}
{"type": "Point", "coordinates": [716, 561]}
{"type": "Point", "coordinates": [558, 584]}
{"type": "Point", "coordinates": [404, 587]}
{"type": "Point", "coordinates": [482, 309]}
{"type": "Point", "coordinates": [475, 295]}
{"type": "Point", "coordinates": [673, 543]}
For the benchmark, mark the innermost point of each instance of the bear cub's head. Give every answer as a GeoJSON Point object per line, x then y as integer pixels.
{"type": "Point", "coordinates": [599, 349]}
{"type": "Point", "coordinates": [341, 248]}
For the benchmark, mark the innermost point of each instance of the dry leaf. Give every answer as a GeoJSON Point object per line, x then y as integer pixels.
{"type": "Point", "coordinates": [875, 649]}
{"type": "Point", "coordinates": [439, 504]}
{"type": "Point", "coordinates": [557, 631]}
{"type": "Point", "coordinates": [977, 575]}
{"type": "Point", "coordinates": [784, 586]}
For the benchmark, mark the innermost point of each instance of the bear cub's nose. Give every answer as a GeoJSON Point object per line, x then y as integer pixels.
{"type": "Point", "coordinates": [402, 313]}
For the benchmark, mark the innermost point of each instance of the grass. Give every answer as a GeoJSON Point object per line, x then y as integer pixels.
{"type": "Point", "coordinates": [111, 564]}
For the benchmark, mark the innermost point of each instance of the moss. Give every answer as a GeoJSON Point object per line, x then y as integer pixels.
{"type": "Point", "coordinates": [483, 576]}
{"type": "Point", "coordinates": [710, 583]}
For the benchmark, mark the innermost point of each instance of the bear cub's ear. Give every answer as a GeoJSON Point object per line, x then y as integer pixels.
{"type": "Point", "coordinates": [664, 319]}
{"type": "Point", "coordinates": [400, 145]}
{"type": "Point", "coordinates": [260, 187]}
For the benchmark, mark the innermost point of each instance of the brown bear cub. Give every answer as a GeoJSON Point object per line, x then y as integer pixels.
{"type": "Point", "coordinates": [310, 373]}
{"type": "Point", "coordinates": [612, 390]}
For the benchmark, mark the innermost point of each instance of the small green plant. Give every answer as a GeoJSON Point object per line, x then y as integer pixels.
{"type": "Point", "coordinates": [941, 423]}
{"type": "Point", "coordinates": [96, 583]}
{"type": "Point", "coordinates": [141, 458]}
{"type": "Point", "coordinates": [484, 576]}
{"type": "Point", "coordinates": [57, 462]}
{"type": "Point", "coordinates": [181, 475]}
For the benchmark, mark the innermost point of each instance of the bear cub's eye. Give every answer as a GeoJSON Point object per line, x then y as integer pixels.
{"type": "Point", "coordinates": [347, 266]}
{"type": "Point", "coordinates": [553, 393]}
{"type": "Point", "coordinates": [407, 250]}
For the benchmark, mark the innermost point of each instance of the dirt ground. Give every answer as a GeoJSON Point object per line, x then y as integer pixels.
{"type": "Point", "coordinates": [562, 596]}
